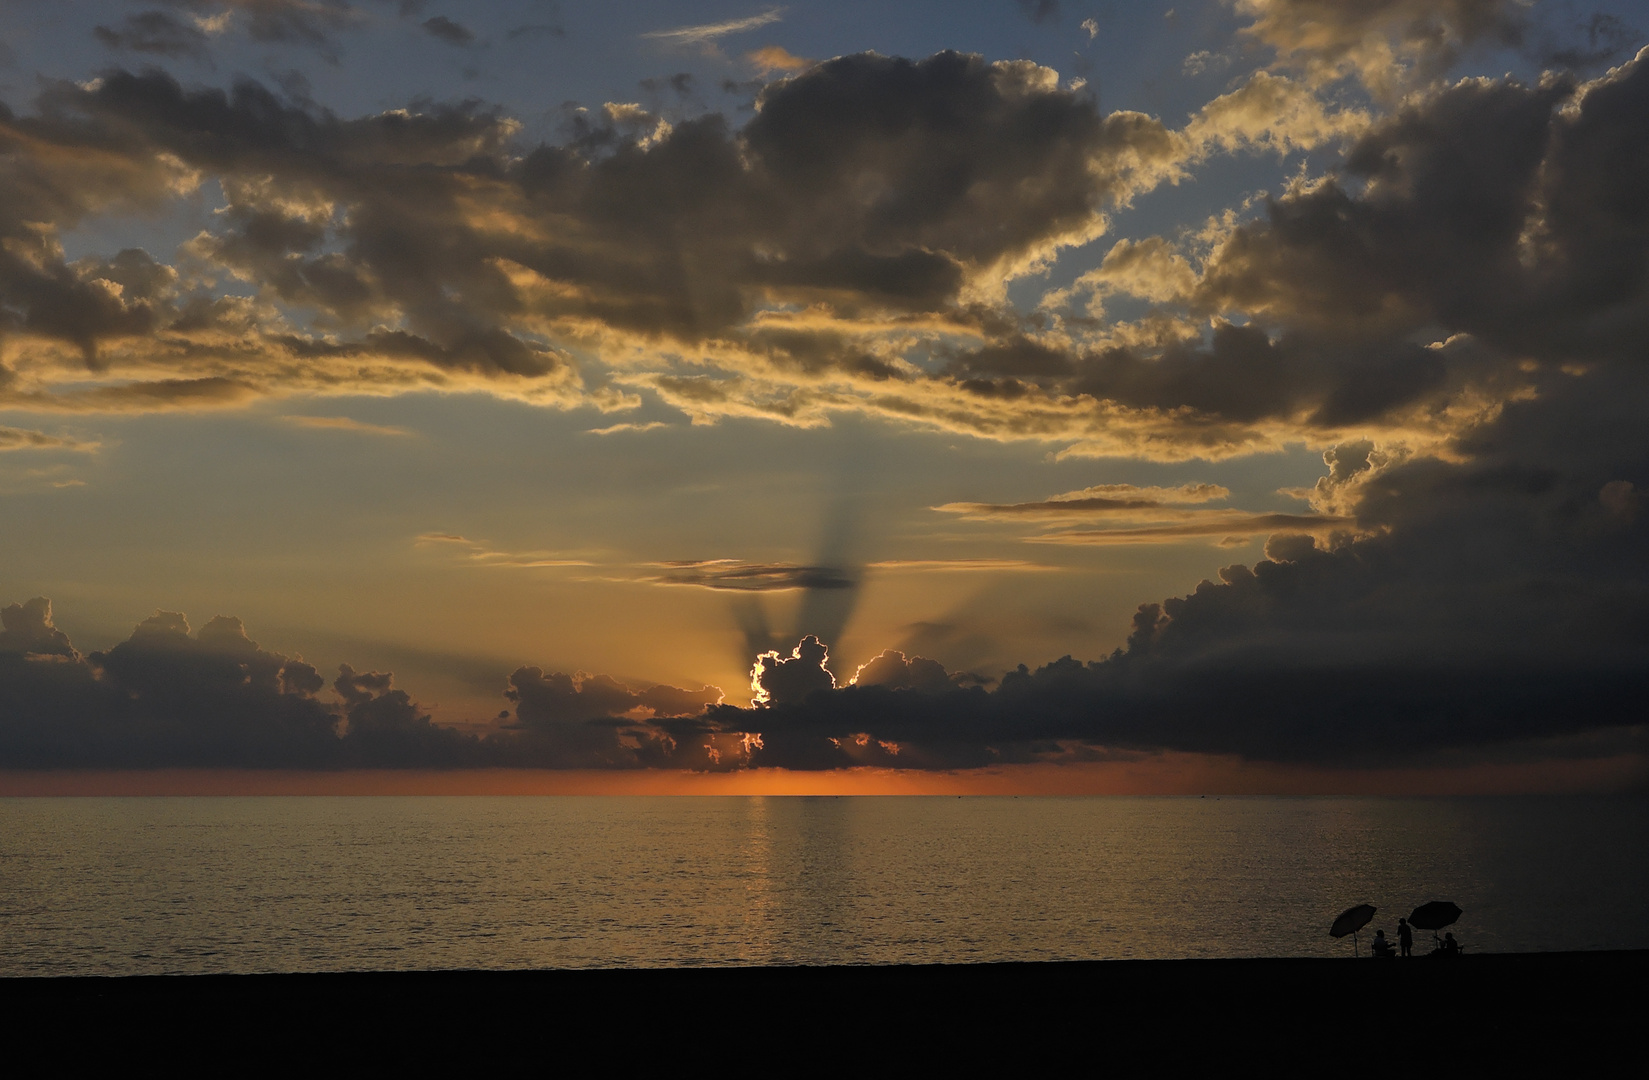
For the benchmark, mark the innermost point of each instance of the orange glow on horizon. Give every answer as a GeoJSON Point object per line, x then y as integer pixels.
{"type": "Point", "coordinates": [1164, 774]}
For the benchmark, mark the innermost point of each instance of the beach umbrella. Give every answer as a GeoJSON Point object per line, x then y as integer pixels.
{"type": "Point", "coordinates": [1350, 921]}
{"type": "Point", "coordinates": [1432, 916]}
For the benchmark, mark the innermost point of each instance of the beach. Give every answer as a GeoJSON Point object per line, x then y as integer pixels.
{"type": "Point", "coordinates": [1140, 1016]}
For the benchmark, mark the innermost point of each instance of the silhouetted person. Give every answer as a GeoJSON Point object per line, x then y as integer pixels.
{"type": "Point", "coordinates": [1445, 946]}
{"type": "Point", "coordinates": [1405, 936]}
{"type": "Point", "coordinates": [1381, 947]}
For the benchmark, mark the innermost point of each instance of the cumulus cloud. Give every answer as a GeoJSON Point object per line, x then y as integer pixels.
{"type": "Point", "coordinates": [1480, 212]}
{"type": "Point", "coordinates": [171, 696]}
{"type": "Point", "coordinates": [894, 670]}
{"type": "Point", "coordinates": [28, 629]}
{"type": "Point", "coordinates": [1495, 598]}
{"type": "Point", "coordinates": [1467, 604]}
{"type": "Point", "coordinates": [782, 680]}
{"type": "Point", "coordinates": [796, 268]}
{"type": "Point", "coordinates": [416, 249]}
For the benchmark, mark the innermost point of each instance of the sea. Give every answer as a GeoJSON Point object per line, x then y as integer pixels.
{"type": "Point", "coordinates": [126, 886]}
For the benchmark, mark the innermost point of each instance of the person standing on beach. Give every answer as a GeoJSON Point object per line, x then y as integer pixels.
{"type": "Point", "coordinates": [1405, 936]}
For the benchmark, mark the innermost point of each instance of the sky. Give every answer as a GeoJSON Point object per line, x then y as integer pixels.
{"type": "Point", "coordinates": [1022, 395]}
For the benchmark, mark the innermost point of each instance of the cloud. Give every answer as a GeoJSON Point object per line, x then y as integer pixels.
{"type": "Point", "coordinates": [1232, 527]}
{"type": "Point", "coordinates": [596, 721]}
{"type": "Point", "coordinates": [1388, 45]}
{"type": "Point", "coordinates": [957, 566]}
{"type": "Point", "coordinates": [771, 58]}
{"type": "Point", "coordinates": [444, 29]}
{"type": "Point", "coordinates": [159, 698]}
{"type": "Point", "coordinates": [419, 251]}
{"type": "Point", "coordinates": [1393, 46]}
{"type": "Point", "coordinates": [1480, 212]}
{"type": "Point", "coordinates": [425, 250]}
{"type": "Point", "coordinates": [894, 670]}
{"type": "Point", "coordinates": [157, 33]}
{"type": "Point", "coordinates": [24, 439]}
{"type": "Point", "coordinates": [845, 251]}
{"type": "Point", "coordinates": [614, 429]}
{"type": "Point", "coordinates": [784, 680]}
{"type": "Point", "coordinates": [1453, 313]}
{"type": "Point", "coordinates": [26, 629]}
{"type": "Point", "coordinates": [479, 554]}
{"type": "Point", "coordinates": [1152, 515]}
{"type": "Point", "coordinates": [1201, 61]}
{"type": "Point", "coordinates": [1482, 602]}
{"type": "Point", "coordinates": [737, 576]}
{"type": "Point", "coordinates": [344, 423]}
{"type": "Point", "coordinates": [709, 32]}
{"type": "Point", "coordinates": [298, 22]}
{"type": "Point", "coordinates": [1125, 500]}
{"type": "Point", "coordinates": [169, 696]}
{"type": "Point", "coordinates": [1477, 603]}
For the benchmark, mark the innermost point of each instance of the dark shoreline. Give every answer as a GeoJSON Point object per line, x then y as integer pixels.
{"type": "Point", "coordinates": [1469, 1010]}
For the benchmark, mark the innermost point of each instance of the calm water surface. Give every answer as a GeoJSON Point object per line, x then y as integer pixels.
{"type": "Point", "coordinates": [120, 886]}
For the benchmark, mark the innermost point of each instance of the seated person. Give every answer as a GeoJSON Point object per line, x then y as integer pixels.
{"type": "Point", "coordinates": [1445, 945]}
{"type": "Point", "coordinates": [1381, 946]}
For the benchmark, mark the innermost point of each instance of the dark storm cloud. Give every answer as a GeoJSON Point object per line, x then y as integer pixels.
{"type": "Point", "coordinates": [169, 697]}
{"type": "Point", "coordinates": [1465, 605]}
{"type": "Point", "coordinates": [28, 628]}
{"type": "Point", "coordinates": [595, 721]}
{"type": "Point", "coordinates": [166, 697]}
{"type": "Point", "coordinates": [1515, 214]}
{"type": "Point", "coordinates": [896, 671]}
{"type": "Point", "coordinates": [1478, 602]}
{"type": "Point", "coordinates": [785, 680]}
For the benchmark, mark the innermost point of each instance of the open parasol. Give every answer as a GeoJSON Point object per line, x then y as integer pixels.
{"type": "Point", "coordinates": [1350, 921]}
{"type": "Point", "coordinates": [1433, 916]}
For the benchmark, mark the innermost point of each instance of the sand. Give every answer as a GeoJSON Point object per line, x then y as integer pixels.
{"type": "Point", "coordinates": [1463, 1016]}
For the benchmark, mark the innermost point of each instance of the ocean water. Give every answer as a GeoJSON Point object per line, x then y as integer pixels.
{"type": "Point", "coordinates": [150, 885]}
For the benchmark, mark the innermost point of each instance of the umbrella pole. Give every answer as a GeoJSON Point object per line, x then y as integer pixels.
{"type": "Point", "coordinates": [1355, 951]}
